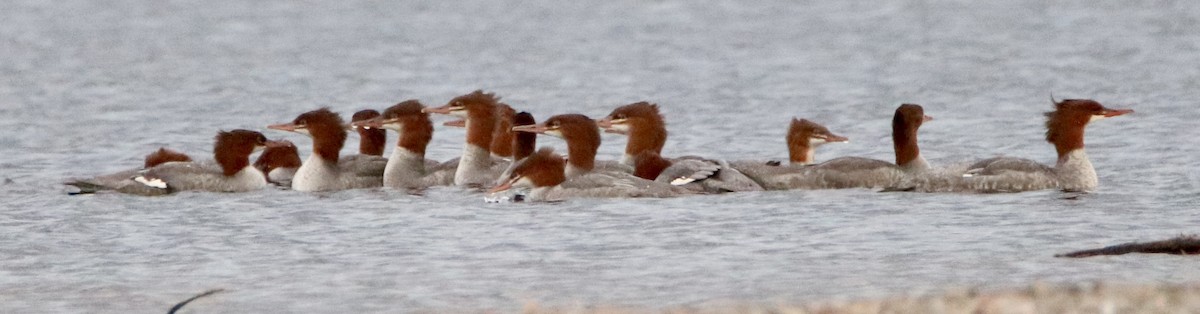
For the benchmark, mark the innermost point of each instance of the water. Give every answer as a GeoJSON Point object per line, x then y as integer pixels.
{"type": "Point", "coordinates": [89, 87]}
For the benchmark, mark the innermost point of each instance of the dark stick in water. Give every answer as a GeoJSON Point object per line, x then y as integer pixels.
{"type": "Point", "coordinates": [185, 302]}
{"type": "Point", "coordinates": [1181, 245]}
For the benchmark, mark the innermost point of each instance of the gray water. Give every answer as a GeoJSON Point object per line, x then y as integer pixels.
{"type": "Point", "coordinates": [89, 87]}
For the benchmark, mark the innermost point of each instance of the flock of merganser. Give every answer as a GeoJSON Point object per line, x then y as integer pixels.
{"type": "Point", "coordinates": [499, 155]}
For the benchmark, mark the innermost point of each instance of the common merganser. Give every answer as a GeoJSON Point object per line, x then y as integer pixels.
{"type": "Point", "coordinates": [475, 168]}
{"type": "Point", "coordinates": [643, 124]}
{"type": "Point", "coordinates": [164, 155]}
{"type": "Point", "coordinates": [540, 173]}
{"type": "Point", "coordinates": [583, 140]}
{"type": "Point", "coordinates": [279, 163]}
{"type": "Point", "coordinates": [849, 172]}
{"type": "Point", "coordinates": [803, 138]}
{"type": "Point", "coordinates": [407, 167]}
{"type": "Point", "coordinates": [1073, 171]}
{"type": "Point", "coordinates": [543, 174]}
{"type": "Point", "coordinates": [370, 141]}
{"type": "Point", "coordinates": [322, 171]}
{"type": "Point", "coordinates": [231, 171]}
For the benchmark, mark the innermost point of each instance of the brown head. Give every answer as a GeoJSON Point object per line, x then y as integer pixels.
{"type": "Point", "coordinates": [283, 155]}
{"type": "Point", "coordinates": [642, 122]}
{"type": "Point", "coordinates": [502, 137]}
{"type": "Point", "coordinates": [164, 155]}
{"type": "Point", "coordinates": [542, 169]}
{"type": "Point", "coordinates": [523, 142]}
{"type": "Point", "coordinates": [479, 109]}
{"type": "Point", "coordinates": [325, 127]}
{"type": "Point", "coordinates": [232, 149]}
{"type": "Point", "coordinates": [803, 136]}
{"type": "Point", "coordinates": [648, 165]}
{"type": "Point", "coordinates": [1065, 125]}
{"type": "Point", "coordinates": [409, 119]}
{"type": "Point", "coordinates": [371, 140]}
{"type": "Point", "coordinates": [905, 123]}
{"type": "Point", "coordinates": [580, 133]}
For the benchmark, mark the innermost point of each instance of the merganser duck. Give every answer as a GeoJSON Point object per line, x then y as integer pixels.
{"type": "Point", "coordinates": [583, 140]}
{"type": "Point", "coordinates": [370, 141]}
{"type": "Point", "coordinates": [161, 156]}
{"type": "Point", "coordinates": [164, 155]}
{"type": "Point", "coordinates": [540, 173]}
{"type": "Point", "coordinates": [231, 171]}
{"type": "Point", "coordinates": [407, 167]}
{"type": "Point", "coordinates": [543, 174]}
{"type": "Point", "coordinates": [279, 163]}
{"type": "Point", "coordinates": [847, 172]}
{"type": "Point", "coordinates": [1072, 172]}
{"type": "Point", "coordinates": [475, 168]}
{"type": "Point", "coordinates": [322, 171]}
{"type": "Point", "coordinates": [643, 124]}
{"type": "Point", "coordinates": [803, 138]}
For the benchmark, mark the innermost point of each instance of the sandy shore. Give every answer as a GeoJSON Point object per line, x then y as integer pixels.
{"type": "Point", "coordinates": [1036, 298]}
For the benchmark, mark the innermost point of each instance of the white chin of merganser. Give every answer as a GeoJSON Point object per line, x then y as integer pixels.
{"type": "Point", "coordinates": [1097, 117]}
{"type": "Point", "coordinates": [816, 141]}
{"type": "Point", "coordinates": [461, 113]}
{"type": "Point", "coordinates": [393, 126]}
{"type": "Point", "coordinates": [303, 131]}
{"type": "Point", "coordinates": [554, 133]}
{"type": "Point", "coordinates": [620, 128]}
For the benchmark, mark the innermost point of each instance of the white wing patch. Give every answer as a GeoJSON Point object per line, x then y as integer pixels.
{"type": "Point", "coordinates": [682, 181]}
{"type": "Point", "coordinates": [152, 182]}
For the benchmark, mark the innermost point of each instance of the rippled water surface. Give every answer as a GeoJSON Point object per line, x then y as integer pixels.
{"type": "Point", "coordinates": [88, 87]}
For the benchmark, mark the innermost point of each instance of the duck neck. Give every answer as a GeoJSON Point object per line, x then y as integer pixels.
{"type": "Point", "coordinates": [329, 148]}
{"type": "Point", "coordinates": [581, 154]}
{"type": "Point", "coordinates": [801, 154]}
{"type": "Point", "coordinates": [232, 160]}
{"type": "Point", "coordinates": [908, 154]}
{"type": "Point", "coordinates": [371, 141]}
{"type": "Point", "coordinates": [476, 158]}
{"type": "Point", "coordinates": [502, 138]}
{"type": "Point", "coordinates": [1068, 140]}
{"type": "Point", "coordinates": [523, 145]}
{"type": "Point", "coordinates": [644, 136]}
